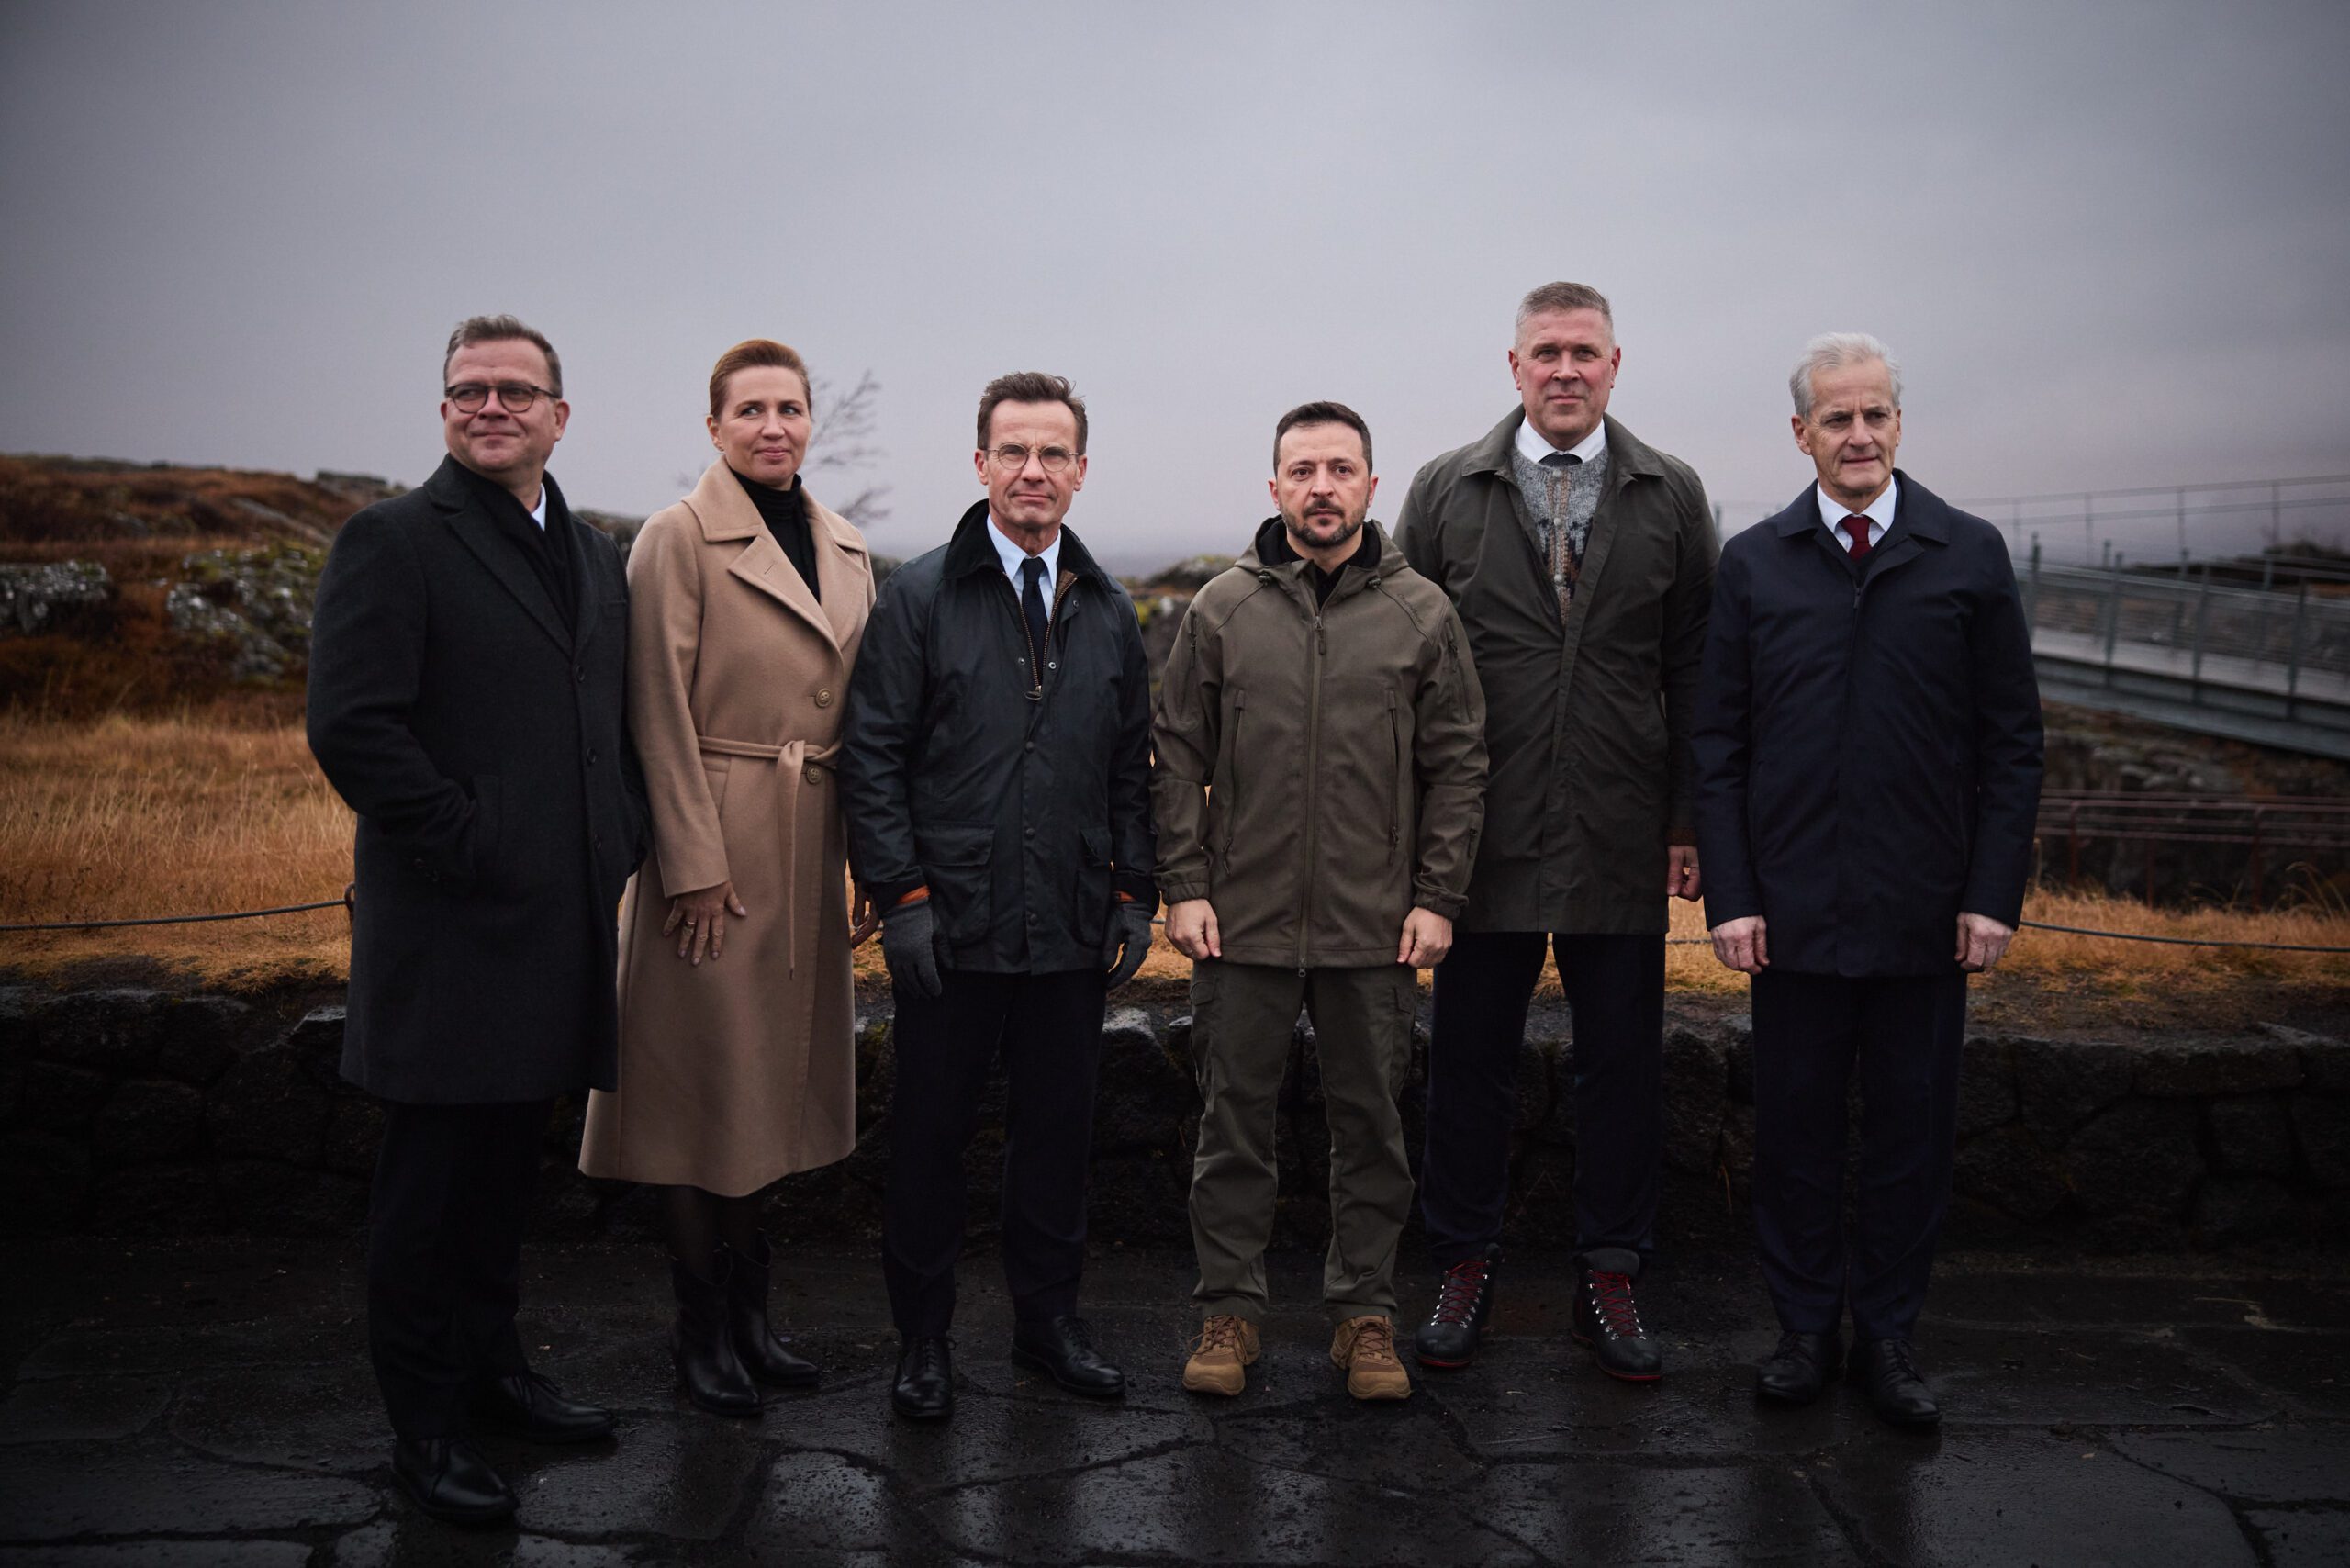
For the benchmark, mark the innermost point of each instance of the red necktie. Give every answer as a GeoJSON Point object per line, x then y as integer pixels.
{"type": "Point", "coordinates": [1858, 527]}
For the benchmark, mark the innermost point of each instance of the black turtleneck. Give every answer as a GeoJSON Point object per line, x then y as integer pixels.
{"type": "Point", "coordinates": [786, 514]}
{"type": "Point", "coordinates": [1275, 534]}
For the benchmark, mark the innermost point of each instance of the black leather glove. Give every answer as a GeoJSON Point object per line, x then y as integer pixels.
{"type": "Point", "coordinates": [910, 947]}
{"type": "Point", "coordinates": [1127, 942]}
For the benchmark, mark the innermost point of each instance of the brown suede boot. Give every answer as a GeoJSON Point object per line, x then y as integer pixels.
{"type": "Point", "coordinates": [1365, 1348]}
{"type": "Point", "coordinates": [1220, 1356]}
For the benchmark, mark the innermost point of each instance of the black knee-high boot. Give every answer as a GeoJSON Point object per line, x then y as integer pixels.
{"type": "Point", "coordinates": [762, 1353]}
{"type": "Point", "coordinates": [708, 1367]}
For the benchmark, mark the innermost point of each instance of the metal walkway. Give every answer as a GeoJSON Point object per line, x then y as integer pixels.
{"type": "Point", "coordinates": [2266, 666]}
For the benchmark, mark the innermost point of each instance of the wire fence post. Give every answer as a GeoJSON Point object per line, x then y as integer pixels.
{"type": "Point", "coordinates": [2293, 651]}
{"type": "Point", "coordinates": [2202, 615]}
{"type": "Point", "coordinates": [2112, 615]}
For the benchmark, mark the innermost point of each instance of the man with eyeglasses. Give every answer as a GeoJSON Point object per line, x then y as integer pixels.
{"type": "Point", "coordinates": [995, 775]}
{"type": "Point", "coordinates": [466, 700]}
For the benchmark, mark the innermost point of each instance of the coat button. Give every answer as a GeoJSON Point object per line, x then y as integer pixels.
{"type": "Point", "coordinates": [579, 673]}
{"type": "Point", "coordinates": [1027, 833]}
{"type": "Point", "coordinates": [824, 698]}
{"type": "Point", "coordinates": [591, 759]}
{"type": "Point", "coordinates": [814, 776]}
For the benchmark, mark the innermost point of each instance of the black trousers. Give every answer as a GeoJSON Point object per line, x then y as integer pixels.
{"type": "Point", "coordinates": [1903, 1034]}
{"type": "Point", "coordinates": [1048, 1030]}
{"type": "Point", "coordinates": [452, 1184]}
{"type": "Point", "coordinates": [1615, 990]}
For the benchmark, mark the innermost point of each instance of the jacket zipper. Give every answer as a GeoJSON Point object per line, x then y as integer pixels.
{"type": "Point", "coordinates": [1020, 620]}
{"type": "Point", "coordinates": [1313, 779]}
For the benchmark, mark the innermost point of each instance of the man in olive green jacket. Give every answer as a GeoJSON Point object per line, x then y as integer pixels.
{"type": "Point", "coordinates": [1581, 561]}
{"type": "Point", "coordinates": [1321, 761]}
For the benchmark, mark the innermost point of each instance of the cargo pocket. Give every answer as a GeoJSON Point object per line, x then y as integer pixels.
{"type": "Point", "coordinates": [956, 862]}
{"type": "Point", "coordinates": [1224, 792]}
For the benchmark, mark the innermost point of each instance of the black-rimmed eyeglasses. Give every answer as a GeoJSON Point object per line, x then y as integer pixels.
{"type": "Point", "coordinates": [514, 397]}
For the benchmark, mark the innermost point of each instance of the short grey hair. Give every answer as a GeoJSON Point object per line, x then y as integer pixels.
{"type": "Point", "coordinates": [1833, 351]}
{"type": "Point", "coordinates": [1561, 297]}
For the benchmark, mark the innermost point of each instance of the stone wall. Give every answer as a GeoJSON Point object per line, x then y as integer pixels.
{"type": "Point", "coordinates": [140, 1112]}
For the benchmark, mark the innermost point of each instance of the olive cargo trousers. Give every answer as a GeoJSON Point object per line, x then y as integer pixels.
{"type": "Point", "coordinates": [1244, 1017]}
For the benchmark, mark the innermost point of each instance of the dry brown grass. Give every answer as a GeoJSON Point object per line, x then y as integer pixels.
{"type": "Point", "coordinates": [188, 815]}
{"type": "Point", "coordinates": [173, 816]}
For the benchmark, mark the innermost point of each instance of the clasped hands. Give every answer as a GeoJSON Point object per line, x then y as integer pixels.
{"type": "Point", "coordinates": [1192, 927]}
{"type": "Point", "coordinates": [1744, 944]}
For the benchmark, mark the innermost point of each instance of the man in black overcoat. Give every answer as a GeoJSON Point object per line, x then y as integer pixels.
{"type": "Point", "coordinates": [995, 776]}
{"type": "Point", "coordinates": [1868, 754]}
{"type": "Point", "coordinates": [466, 672]}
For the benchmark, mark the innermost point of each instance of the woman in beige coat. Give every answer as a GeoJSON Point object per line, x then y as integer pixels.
{"type": "Point", "coordinates": [747, 600]}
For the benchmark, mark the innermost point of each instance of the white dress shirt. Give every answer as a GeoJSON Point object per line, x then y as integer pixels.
{"type": "Point", "coordinates": [1532, 443]}
{"type": "Point", "coordinates": [1011, 555]}
{"type": "Point", "coordinates": [539, 512]}
{"type": "Point", "coordinates": [1879, 513]}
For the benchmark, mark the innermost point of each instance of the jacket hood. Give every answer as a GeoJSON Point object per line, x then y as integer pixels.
{"type": "Point", "coordinates": [1271, 548]}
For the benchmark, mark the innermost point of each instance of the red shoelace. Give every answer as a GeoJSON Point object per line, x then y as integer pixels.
{"type": "Point", "coordinates": [1611, 1298]}
{"type": "Point", "coordinates": [1457, 1298]}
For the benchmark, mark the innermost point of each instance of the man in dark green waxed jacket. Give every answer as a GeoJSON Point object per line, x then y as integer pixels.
{"type": "Point", "coordinates": [1321, 755]}
{"type": "Point", "coordinates": [1581, 561]}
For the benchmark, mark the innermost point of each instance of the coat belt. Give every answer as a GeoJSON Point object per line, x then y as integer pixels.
{"type": "Point", "coordinates": [796, 762]}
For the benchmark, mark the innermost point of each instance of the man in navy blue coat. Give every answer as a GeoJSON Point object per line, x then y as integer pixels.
{"type": "Point", "coordinates": [1868, 756]}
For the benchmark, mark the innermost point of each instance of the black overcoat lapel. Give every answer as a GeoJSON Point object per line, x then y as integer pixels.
{"type": "Point", "coordinates": [479, 533]}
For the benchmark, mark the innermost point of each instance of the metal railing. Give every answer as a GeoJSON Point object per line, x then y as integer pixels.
{"type": "Point", "coordinates": [2281, 654]}
{"type": "Point", "coordinates": [2161, 524]}
{"type": "Point", "coordinates": [2214, 843]}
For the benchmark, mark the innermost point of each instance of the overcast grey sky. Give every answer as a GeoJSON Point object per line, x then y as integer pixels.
{"type": "Point", "coordinates": [2109, 241]}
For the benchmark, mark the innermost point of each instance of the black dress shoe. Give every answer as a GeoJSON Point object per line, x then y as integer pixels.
{"type": "Point", "coordinates": [1896, 1388]}
{"type": "Point", "coordinates": [1798, 1369]}
{"type": "Point", "coordinates": [925, 1387]}
{"type": "Point", "coordinates": [1463, 1301]}
{"type": "Point", "coordinates": [763, 1354]}
{"type": "Point", "coordinates": [528, 1406]}
{"type": "Point", "coordinates": [1607, 1319]}
{"type": "Point", "coordinates": [448, 1478]}
{"type": "Point", "coordinates": [1063, 1347]}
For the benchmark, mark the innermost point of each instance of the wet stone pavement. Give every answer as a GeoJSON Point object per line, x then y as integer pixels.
{"type": "Point", "coordinates": [209, 1402]}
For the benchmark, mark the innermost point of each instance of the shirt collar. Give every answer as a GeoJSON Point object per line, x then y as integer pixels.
{"type": "Point", "coordinates": [1880, 512]}
{"type": "Point", "coordinates": [1011, 555]}
{"type": "Point", "coordinates": [539, 512]}
{"type": "Point", "coordinates": [1532, 444]}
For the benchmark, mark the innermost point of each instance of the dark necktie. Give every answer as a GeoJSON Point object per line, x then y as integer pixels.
{"type": "Point", "coordinates": [1031, 605]}
{"type": "Point", "coordinates": [1564, 568]}
{"type": "Point", "coordinates": [1857, 528]}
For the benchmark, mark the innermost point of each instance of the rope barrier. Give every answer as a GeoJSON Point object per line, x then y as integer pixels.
{"type": "Point", "coordinates": [2182, 941]}
{"type": "Point", "coordinates": [344, 902]}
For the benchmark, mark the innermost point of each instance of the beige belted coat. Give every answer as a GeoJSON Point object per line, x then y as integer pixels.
{"type": "Point", "coordinates": [742, 1069]}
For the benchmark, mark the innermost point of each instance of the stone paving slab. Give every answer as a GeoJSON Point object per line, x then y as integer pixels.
{"type": "Point", "coordinates": [170, 1404]}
